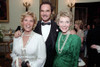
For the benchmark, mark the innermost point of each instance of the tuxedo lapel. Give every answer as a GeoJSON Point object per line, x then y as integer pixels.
{"type": "Point", "coordinates": [52, 35]}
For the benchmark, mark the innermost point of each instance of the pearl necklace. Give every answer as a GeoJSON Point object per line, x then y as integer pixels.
{"type": "Point", "coordinates": [26, 34]}
{"type": "Point", "coordinates": [60, 50]}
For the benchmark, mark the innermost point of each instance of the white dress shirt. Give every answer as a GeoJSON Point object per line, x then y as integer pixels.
{"type": "Point", "coordinates": [45, 31]}
{"type": "Point", "coordinates": [35, 51]}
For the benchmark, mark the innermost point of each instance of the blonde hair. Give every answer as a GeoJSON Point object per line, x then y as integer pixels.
{"type": "Point", "coordinates": [29, 14]}
{"type": "Point", "coordinates": [79, 23]}
{"type": "Point", "coordinates": [64, 14]}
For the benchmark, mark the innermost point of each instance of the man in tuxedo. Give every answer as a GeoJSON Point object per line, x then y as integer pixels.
{"type": "Point", "coordinates": [93, 40]}
{"type": "Point", "coordinates": [49, 30]}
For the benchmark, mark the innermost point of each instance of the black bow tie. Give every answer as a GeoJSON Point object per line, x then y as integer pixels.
{"type": "Point", "coordinates": [45, 23]}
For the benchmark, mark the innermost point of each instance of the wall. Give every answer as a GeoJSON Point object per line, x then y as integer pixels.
{"type": "Point", "coordinates": [16, 8]}
{"type": "Point", "coordinates": [62, 4]}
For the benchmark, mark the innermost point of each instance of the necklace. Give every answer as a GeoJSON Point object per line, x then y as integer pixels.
{"type": "Point", "coordinates": [26, 34]}
{"type": "Point", "coordinates": [60, 49]}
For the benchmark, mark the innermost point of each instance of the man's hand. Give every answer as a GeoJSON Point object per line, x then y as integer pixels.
{"type": "Point", "coordinates": [94, 46]}
{"type": "Point", "coordinates": [17, 34]}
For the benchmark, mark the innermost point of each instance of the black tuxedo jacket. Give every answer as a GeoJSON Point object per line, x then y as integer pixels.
{"type": "Point", "coordinates": [93, 37]}
{"type": "Point", "coordinates": [50, 42]}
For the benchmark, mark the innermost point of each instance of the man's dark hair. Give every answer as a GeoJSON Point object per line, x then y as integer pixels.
{"type": "Point", "coordinates": [97, 22]}
{"type": "Point", "coordinates": [48, 4]}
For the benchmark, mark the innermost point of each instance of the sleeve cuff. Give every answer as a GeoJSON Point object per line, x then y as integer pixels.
{"type": "Point", "coordinates": [98, 49]}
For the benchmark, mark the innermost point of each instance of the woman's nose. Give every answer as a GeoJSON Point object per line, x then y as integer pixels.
{"type": "Point", "coordinates": [64, 24]}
